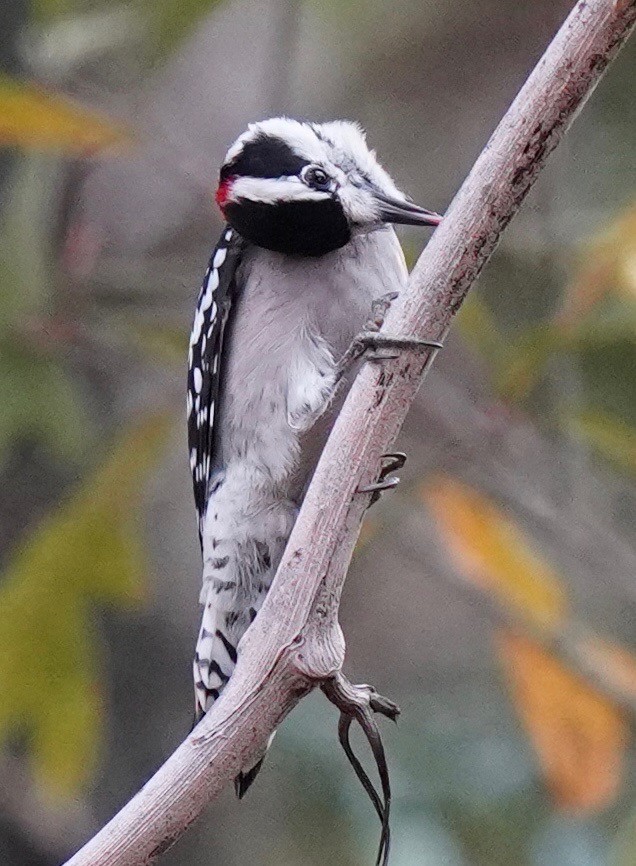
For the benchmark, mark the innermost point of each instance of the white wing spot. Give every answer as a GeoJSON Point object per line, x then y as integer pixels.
{"type": "Point", "coordinates": [206, 300]}
{"type": "Point", "coordinates": [228, 235]}
{"type": "Point", "coordinates": [193, 459]}
{"type": "Point", "coordinates": [198, 380]}
{"type": "Point", "coordinates": [219, 257]}
{"type": "Point", "coordinates": [196, 326]}
{"type": "Point", "coordinates": [214, 279]}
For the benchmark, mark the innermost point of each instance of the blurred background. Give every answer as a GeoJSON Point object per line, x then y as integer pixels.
{"type": "Point", "coordinates": [492, 596]}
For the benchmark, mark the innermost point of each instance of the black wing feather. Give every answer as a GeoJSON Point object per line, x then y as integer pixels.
{"type": "Point", "coordinates": [205, 360]}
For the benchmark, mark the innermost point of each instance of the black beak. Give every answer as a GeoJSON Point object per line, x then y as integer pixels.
{"type": "Point", "coordinates": [393, 210]}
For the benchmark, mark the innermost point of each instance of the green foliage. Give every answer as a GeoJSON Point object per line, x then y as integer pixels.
{"type": "Point", "coordinates": [88, 551]}
{"type": "Point", "coordinates": [164, 343]}
{"type": "Point", "coordinates": [517, 362]}
{"type": "Point", "coordinates": [48, 10]}
{"type": "Point", "coordinates": [478, 325]}
{"type": "Point", "coordinates": [164, 22]}
{"type": "Point", "coordinates": [607, 364]}
{"type": "Point", "coordinates": [600, 347]}
{"type": "Point", "coordinates": [624, 849]}
{"type": "Point", "coordinates": [39, 402]}
{"type": "Point", "coordinates": [611, 436]}
{"type": "Point", "coordinates": [171, 20]}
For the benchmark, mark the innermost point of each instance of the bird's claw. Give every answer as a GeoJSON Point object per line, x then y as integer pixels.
{"type": "Point", "coordinates": [374, 347]}
{"type": "Point", "coordinates": [391, 462]}
{"type": "Point", "coordinates": [379, 308]}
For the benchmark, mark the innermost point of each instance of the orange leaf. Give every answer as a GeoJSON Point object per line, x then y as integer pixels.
{"type": "Point", "coordinates": [579, 735]}
{"type": "Point", "coordinates": [490, 550]}
{"type": "Point", "coordinates": [615, 664]}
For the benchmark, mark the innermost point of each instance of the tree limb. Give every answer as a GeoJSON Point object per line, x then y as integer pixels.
{"type": "Point", "coordinates": [295, 642]}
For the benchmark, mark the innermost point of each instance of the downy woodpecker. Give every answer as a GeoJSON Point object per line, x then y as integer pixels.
{"type": "Point", "coordinates": [308, 247]}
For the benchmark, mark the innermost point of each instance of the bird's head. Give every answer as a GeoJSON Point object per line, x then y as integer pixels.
{"type": "Point", "coordinates": [307, 188]}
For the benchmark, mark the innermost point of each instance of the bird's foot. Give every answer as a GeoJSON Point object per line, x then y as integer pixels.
{"type": "Point", "coordinates": [360, 703]}
{"type": "Point", "coordinates": [372, 346]}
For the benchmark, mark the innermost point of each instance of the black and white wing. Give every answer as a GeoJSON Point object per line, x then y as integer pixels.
{"type": "Point", "coordinates": [205, 360]}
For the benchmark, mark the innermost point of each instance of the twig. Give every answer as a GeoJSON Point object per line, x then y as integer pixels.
{"type": "Point", "coordinates": [295, 642]}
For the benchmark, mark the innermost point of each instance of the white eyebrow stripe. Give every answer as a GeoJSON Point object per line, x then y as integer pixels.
{"type": "Point", "coordinates": [274, 189]}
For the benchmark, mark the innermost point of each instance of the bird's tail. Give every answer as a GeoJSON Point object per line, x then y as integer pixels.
{"type": "Point", "coordinates": [215, 655]}
{"type": "Point", "coordinates": [245, 778]}
{"type": "Point", "coordinates": [222, 625]}
{"type": "Point", "coordinates": [243, 541]}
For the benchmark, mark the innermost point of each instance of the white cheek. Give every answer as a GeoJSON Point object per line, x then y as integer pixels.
{"type": "Point", "coordinates": [359, 206]}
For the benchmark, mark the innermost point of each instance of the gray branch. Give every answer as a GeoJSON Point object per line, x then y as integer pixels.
{"type": "Point", "coordinates": [295, 642]}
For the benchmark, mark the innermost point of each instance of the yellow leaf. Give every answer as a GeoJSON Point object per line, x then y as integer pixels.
{"type": "Point", "coordinates": [67, 733]}
{"type": "Point", "coordinates": [489, 550]}
{"type": "Point", "coordinates": [525, 361]}
{"type": "Point", "coordinates": [31, 117]}
{"type": "Point", "coordinates": [609, 266]}
{"type": "Point", "coordinates": [580, 736]}
{"type": "Point", "coordinates": [89, 550]}
{"type": "Point", "coordinates": [477, 324]}
{"type": "Point", "coordinates": [613, 437]}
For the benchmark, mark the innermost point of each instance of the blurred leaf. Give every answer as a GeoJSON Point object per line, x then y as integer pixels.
{"type": "Point", "coordinates": [606, 368]}
{"type": "Point", "coordinates": [525, 361]}
{"type": "Point", "coordinates": [86, 27]}
{"type": "Point", "coordinates": [39, 403]}
{"type": "Point", "coordinates": [411, 247]}
{"type": "Point", "coordinates": [368, 531]}
{"type": "Point", "coordinates": [624, 847]}
{"type": "Point", "coordinates": [490, 551]}
{"type": "Point", "coordinates": [167, 343]}
{"type": "Point", "coordinates": [477, 324]}
{"type": "Point", "coordinates": [30, 117]}
{"type": "Point", "coordinates": [45, 10]}
{"type": "Point", "coordinates": [609, 267]}
{"type": "Point", "coordinates": [612, 437]}
{"type": "Point", "coordinates": [174, 19]}
{"type": "Point", "coordinates": [615, 664]}
{"type": "Point", "coordinates": [579, 735]}
{"type": "Point", "coordinates": [89, 550]}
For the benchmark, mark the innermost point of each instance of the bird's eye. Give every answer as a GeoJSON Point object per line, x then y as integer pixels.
{"type": "Point", "coordinates": [315, 177]}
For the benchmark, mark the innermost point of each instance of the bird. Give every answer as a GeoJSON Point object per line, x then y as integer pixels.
{"type": "Point", "coordinates": [307, 249]}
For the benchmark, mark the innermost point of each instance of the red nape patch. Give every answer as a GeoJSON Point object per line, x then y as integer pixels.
{"type": "Point", "coordinates": [223, 192]}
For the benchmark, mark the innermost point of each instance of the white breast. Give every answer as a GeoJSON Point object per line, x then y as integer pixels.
{"type": "Point", "coordinates": [294, 320]}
